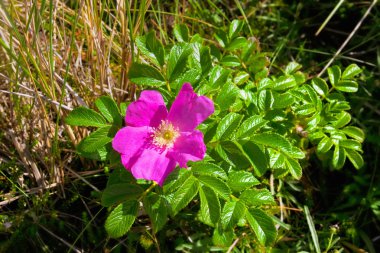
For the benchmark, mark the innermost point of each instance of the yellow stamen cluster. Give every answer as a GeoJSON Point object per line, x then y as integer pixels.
{"type": "Point", "coordinates": [165, 135]}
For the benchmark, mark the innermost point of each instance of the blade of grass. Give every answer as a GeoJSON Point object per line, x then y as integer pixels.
{"type": "Point", "coordinates": [329, 17]}
{"type": "Point", "coordinates": [313, 232]}
{"type": "Point", "coordinates": [349, 37]}
{"type": "Point", "coordinates": [84, 229]}
{"type": "Point", "coordinates": [245, 17]}
{"type": "Point", "coordinates": [15, 185]}
{"type": "Point", "coordinates": [60, 239]}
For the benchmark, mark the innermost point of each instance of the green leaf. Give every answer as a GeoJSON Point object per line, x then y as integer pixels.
{"type": "Point", "coordinates": [190, 76]}
{"type": "Point", "coordinates": [355, 158]}
{"type": "Point", "coordinates": [312, 94]}
{"type": "Point", "coordinates": [222, 237]}
{"type": "Point", "coordinates": [351, 71]}
{"type": "Point", "coordinates": [119, 176]}
{"type": "Point", "coordinates": [299, 95]}
{"type": "Point", "coordinates": [175, 180]}
{"type": "Point", "coordinates": [312, 123]}
{"type": "Point", "coordinates": [237, 154]}
{"type": "Point", "coordinates": [181, 32]}
{"type": "Point", "coordinates": [250, 125]}
{"type": "Point", "coordinates": [109, 109]}
{"type": "Point", "coordinates": [354, 132]}
{"type": "Point", "coordinates": [278, 118]}
{"type": "Point", "coordinates": [232, 212]}
{"type": "Point", "coordinates": [300, 77]}
{"type": "Point", "coordinates": [237, 43]}
{"type": "Point", "coordinates": [292, 67]}
{"type": "Point", "coordinates": [265, 83]}
{"type": "Point", "coordinates": [116, 193]}
{"type": "Point", "coordinates": [223, 154]}
{"type": "Point", "coordinates": [257, 197]}
{"type": "Point", "coordinates": [123, 108]}
{"type": "Point", "coordinates": [317, 135]}
{"type": "Point", "coordinates": [194, 61]}
{"type": "Point", "coordinates": [218, 76]}
{"type": "Point", "coordinates": [121, 218]}
{"type": "Point", "coordinates": [82, 116]}
{"type": "Point", "coordinates": [241, 180]}
{"type": "Point", "coordinates": [257, 157]}
{"type": "Point", "coordinates": [156, 47]}
{"type": "Point", "coordinates": [143, 74]}
{"type": "Point", "coordinates": [177, 61]}
{"type": "Point", "coordinates": [347, 86]}
{"type": "Point", "coordinates": [294, 167]}
{"type": "Point", "coordinates": [184, 194]}
{"type": "Point", "coordinates": [338, 106]}
{"type": "Point", "coordinates": [230, 61]}
{"type": "Point", "coordinates": [278, 142]}
{"type": "Point", "coordinates": [335, 97]}
{"type": "Point", "coordinates": [246, 95]}
{"type": "Point", "coordinates": [343, 119]}
{"type": "Point", "coordinates": [351, 144]}
{"type": "Point", "coordinates": [262, 225]}
{"type": "Point", "coordinates": [305, 109]}
{"type": "Point", "coordinates": [337, 135]}
{"type": "Point", "coordinates": [241, 77]}
{"type": "Point", "coordinates": [216, 185]}
{"type": "Point", "coordinates": [334, 74]}
{"type": "Point", "coordinates": [96, 140]}
{"type": "Point", "coordinates": [339, 157]}
{"type": "Point", "coordinates": [100, 154]}
{"type": "Point", "coordinates": [284, 83]}
{"type": "Point", "coordinates": [324, 145]}
{"type": "Point", "coordinates": [210, 205]}
{"type": "Point", "coordinates": [221, 37]}
{"type": "Point", "coordinates": [204, 168]}
{"type": "Point", "coordinates": [277, 159]}
{"type": "Point", "coordinates": [227, 126]}
{"type": "Point", "coordinates": [227, 96]}
{"type": "Point", "coordinates": [235, 28]}
{"type": "Point", "coordinates": [265, 100]}
{"type": "Point", "coordinates": [205, 59]}
{"type": "Point", "coordinates": [151, 47]}
{"type": "Point", "coordinates": [320, 86]}
{"type": "Point", "coordinates": [156, 207]}
{"type": "Point", "coordinates": [282, 100]}
{"type": "Point", "coordinates": [296, 153]}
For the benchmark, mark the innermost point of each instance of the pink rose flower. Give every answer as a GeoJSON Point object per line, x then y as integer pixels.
{"type": "Point", "coordinates": [154, 140]}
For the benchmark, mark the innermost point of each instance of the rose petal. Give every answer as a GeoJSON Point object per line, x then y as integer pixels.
{"type": "Point", "coordinates": [189, 109]}
{"type": "Point", "coordinates": [148, 110]}
{"type": "Point", "coordinates": [153, 165]}
{"type": "Point", "coordinates": [129, 142]}
{"type": "Point", "coordinates": [188, 147]}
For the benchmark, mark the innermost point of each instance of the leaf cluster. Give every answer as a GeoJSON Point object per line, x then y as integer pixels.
{"type": "Point", "coordinates": [263, 125]}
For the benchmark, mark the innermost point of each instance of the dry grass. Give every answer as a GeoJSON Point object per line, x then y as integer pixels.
{"type": "Point", "coordinates": [53, 58]}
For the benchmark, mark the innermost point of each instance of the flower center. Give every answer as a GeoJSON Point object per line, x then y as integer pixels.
{"type": "Point", "coordinates": [165, 135]}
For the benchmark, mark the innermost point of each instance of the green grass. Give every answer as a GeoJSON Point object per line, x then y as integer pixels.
{"type": "Point", "coordinates": [56, 55]}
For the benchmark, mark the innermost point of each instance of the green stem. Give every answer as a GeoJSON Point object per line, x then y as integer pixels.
{"type": "Point", "coordinates": [330, 240]}
{"type": "Point", "coordinates": [168, 86]}
{"type": "Point", "coordinates": [147, 191]}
